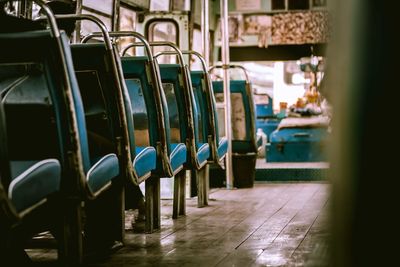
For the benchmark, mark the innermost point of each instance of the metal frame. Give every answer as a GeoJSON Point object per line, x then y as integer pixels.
{"type": "Point", "coordinates": [155, 79]}
{"type": "Point", "coordinates": [205, 31]}
{"type": "Point", "coordinates": [200, 174]}
{"type": "Point", "coordinates": [71, 242]}
{"type": "Point", "coordinates": [187, 81]}
{"type": "Point", "coordinates": [251, 98]}
{"type": "Point", "coordinates": [227, 98]}
{"type": "Point", "coordinates": [123, 146]}
{"type": "Point", "coordinates": [210, 94]}
{"type": "Point", "coordinates": [188, 86]}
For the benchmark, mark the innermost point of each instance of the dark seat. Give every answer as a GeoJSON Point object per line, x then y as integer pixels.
{"type": "Point", "coordinates": [245, 142]}
{"type": "Point", "coordinates": [205, 100]}
{"type": "Point", "coordinates": [102, 171]}
{"type": "Point", "coordinates": [146, 118]}
{"type": "Point", "coordinates": [172, 76]}
{"type": "Point", "coordinates": [47, 150]}
{"type": "Point", "coordinates": [32, 182]}
{"type": "Point", "coordinates": [154, 120]}
{"type": "Point", "coordinates": [244, 138]}
{"type": "Point", "coordinates": [177, 86]}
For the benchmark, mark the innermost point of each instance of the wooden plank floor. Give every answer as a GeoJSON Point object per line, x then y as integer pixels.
{"type": "Point", "coordinates": [272, 224]}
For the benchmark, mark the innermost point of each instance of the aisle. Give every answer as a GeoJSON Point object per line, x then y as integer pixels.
{"type": "Point", "coordinates": [270, 225]}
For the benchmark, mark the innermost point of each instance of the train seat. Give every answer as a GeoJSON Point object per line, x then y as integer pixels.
{"type": "Point", "coordinates": [177, 86]}
{"type": "Point", "coordinates": [144, 114]}
{"type": "Point", "coordinates": [178, 156]}
{"type": "Point", "coordinates": [244, 138]}
{"type": "Point", "coordinates": [222, 147]}
{"type": "Point", "coordinates": [145, 160]}
{"type": "Point", "coordinates": [205, 101]}
{"type": "Point", "coordinates": [46, 137]}
{"type": "Point", "coordinates": [301, 139]}
{"type": "Point", "coordinates": [33, 181]}
{"type": "Point", "coordinates": [97, 89]}
{"type": "Point", "coordinates": [102, 171]}
{"type": "Point", "coordinates": [30, 169]}
{"type": "Point", "coordinates": [245, 141]}
{"type": "Point", "coordinates": [175, 90]}
{"type": "Point", "coordinates": [155, 125]}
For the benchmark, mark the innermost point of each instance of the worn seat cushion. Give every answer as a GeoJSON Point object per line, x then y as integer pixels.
{"type": "Point", "coordinates": [178, 155]}
{"type": "Point", "coordinates": [33, 181]}
{"type": "Point", "coordinates": [203, 153]}
{"type": "Point", "coordinates": [102, 172]}
{"type": "Point", "coordinates": [145, 160]}
{"type": "Point", "coordinates": [222, 147]}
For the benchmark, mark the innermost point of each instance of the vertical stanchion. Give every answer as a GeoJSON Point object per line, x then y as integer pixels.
{"type": "Point", "coordinates": [205, 30]}
{"type": "Point", "coordinates": [227, 98]}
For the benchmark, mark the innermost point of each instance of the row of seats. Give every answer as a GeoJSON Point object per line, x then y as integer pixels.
{"type": "Point", "coordinates": [68, 137]}
{"type": "Point", "coordinates": [78, 123]}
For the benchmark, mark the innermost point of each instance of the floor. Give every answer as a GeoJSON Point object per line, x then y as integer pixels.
{"type": "Point", "coordinates": [272, 224]}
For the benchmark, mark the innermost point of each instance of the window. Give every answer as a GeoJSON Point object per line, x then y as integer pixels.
{"type": "Point", "coordinates": [159, 5]}
{"type": "Point", "coordinates": [181, 5]}
{"type": "Point", "coordinates": [163, 31]}
{"type": "Point", "coordinates": [127, 23]}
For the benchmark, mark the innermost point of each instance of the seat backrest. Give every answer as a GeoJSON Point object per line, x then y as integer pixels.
{"type": "Point", "coordinates": [174, 85]}
{"type": "Point", "coordinates": [206, 103]}
{"type": "Point", "coordinates": [242, 115]}
{"type": "Point", "coordinates": [97, 88]}
{"type": "Point", "coordinates": [43, 82]}
{"type": "Point", "coordinates": [264, 106]}
{"type": "Point", "coordinates": [150, 125]}
{"type": "Point", "coordinates": [177, 115]}
{"type": "Point", "coordinates": [197, 78]}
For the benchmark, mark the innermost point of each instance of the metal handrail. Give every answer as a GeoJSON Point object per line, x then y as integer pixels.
{"type": "Point", "coordinates": [156, 80]}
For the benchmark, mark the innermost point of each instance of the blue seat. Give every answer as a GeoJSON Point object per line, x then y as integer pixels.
{"type": "Point", "coordinates": [96, 87]}
{"type": "Point", "coordinates": [245, 142]}
{"type": "Point", "coordinates": [244, 138]}
{"type": "Point", "coordinates": [34, 120]}
{"type": "Point", "coordinates": [145, 160]}
{"type": "Point", "coordinates": [222, 147]}
{"type": "Point", "coordinates": [101, 171]}
{"type": "Point", "coordinates": [33, 181]}
{"type": "Point", "coordinates": [46, 151]}
{"type": "Point", "coordinates": [177, 85]}
{"type": "Point", "coordinates": [190, 128]}
{"type": "Point", "coordinates": [154, 120]}
{"type": "Point", "coordinates": [149, 122]}
{"type": "Point", "coordinates": [205, 101]}
{"type": "Point", "coordinates": [178, 156]}
{"type": "Point", "coordinates": [298, 143]}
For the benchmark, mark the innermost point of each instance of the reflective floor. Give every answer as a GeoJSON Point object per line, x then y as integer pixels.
{"type": "Point", "coordinates": [272, 224]}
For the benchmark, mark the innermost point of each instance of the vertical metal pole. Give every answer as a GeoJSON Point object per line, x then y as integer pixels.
{"type": "Point", "coordinates": [205, 30]}
{"type": "Point", "coordinates": [115, 16]}
{"type": "Point", "coordinates": [227, 95]}
{"type": "Point", "coordinates": [77, 32]}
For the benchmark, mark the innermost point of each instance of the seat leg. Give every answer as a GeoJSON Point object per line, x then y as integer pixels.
{"type": "Point", "coordinates": [202, 184]}
{"type": "Point", "coordinates": [156, 203]}
{"type": "Point", "coordinates": [71, 246]}
{"type": "Point", "coordinates": [118, 212]}
{"type": "Point", "coordinates": [176, 199]}
{"type": "Point", "coordinates": [182, 193]}
{"type": "Point", "coordinates": [149, 205]}
{"type": "Point", "coordinates": [179, 201]}
{"type": "Point", "coordinates": [153, 212]}
{"type": "Point", "coordinates": [207, 183]}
